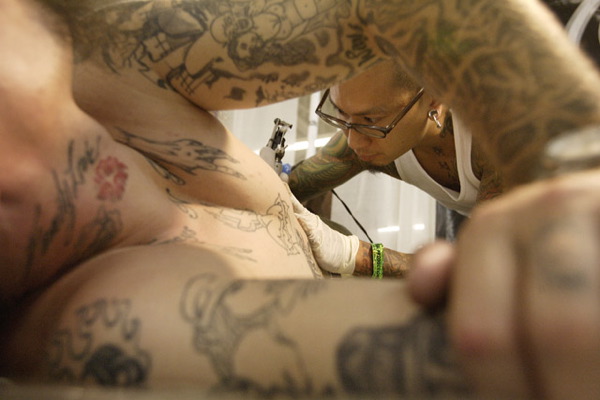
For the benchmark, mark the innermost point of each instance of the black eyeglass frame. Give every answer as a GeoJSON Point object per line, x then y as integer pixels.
{"type": "Point", "coordinates": [340, 123]}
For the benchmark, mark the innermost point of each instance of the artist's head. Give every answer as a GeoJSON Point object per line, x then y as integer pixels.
{"type": "Point", "coordinates": [378, 97]}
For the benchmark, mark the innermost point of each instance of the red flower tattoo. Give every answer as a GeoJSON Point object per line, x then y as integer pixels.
{"type": "Point", "coordinates": [111, 176]}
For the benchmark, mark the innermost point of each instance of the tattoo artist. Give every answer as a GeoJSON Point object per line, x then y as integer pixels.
{"type": "Point", "coordinates": [388, 123]}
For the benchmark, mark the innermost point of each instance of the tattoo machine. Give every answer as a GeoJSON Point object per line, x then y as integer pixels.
{"type": "Point", "coordinates": [274, 151]}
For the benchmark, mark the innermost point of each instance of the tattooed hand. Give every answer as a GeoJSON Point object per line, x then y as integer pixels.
{"type": "Point", "coordinates": [526, 290]}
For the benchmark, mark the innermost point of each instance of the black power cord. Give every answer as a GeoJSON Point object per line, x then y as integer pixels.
{"type": "Point", "coordinates": [352, 215]}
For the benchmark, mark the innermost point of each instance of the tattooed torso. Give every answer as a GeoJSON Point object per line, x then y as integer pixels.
{"type": "Point", "coordinates": [157, 168]}
{"type": "Point", "coordinates": [106, 196]}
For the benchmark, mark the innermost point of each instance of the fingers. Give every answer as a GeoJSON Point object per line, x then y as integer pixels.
{"type": "Point", "coordinates": [333, 251]}
{"type": "Point", "coordinates": [525, 297]}
{"type": "Point", "coordinates": [561, 317]}
{"type": "Point", "coordinates": [428, 279]}
{"type": "Point", "coordinates": [482, 307]}
{"type": "Point", "coordinates": [310, 222]}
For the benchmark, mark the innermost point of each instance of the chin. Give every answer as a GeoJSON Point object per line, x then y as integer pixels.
{"type": "Point", "coordinates": [379, 162]}
{"type": "Point", "coordinates": [375, 166]}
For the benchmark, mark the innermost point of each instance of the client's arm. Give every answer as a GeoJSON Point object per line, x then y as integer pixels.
{"type": "Point", "coordinates": [124, 319]}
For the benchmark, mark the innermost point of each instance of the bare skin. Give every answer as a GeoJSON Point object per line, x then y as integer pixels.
{"type": "Point", "coordinates": [129, 188]}
{"type": "Point", "coordinates": [119, 144]}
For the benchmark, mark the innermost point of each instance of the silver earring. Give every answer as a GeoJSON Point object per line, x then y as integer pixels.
{"type": "Point", "coordinates": [433, 115]}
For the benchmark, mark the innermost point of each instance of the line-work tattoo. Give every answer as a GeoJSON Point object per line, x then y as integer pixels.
{"type": "Point", "coordinates": [222, 329]}
{"type": "Point", "coordinates": [188, 155]}
{"type": "Point", "coordinates": [276, 221]}
{"type": "Point", "coordinates": [189, 236]}
{"type": "Point", "coordinates": [101, 348]}
{"type": "Point", "coordinates": [84, 167]}
{"type": "Point", "coordinates": [413, 359]}
{"type": "Point", "coordinates": [256, 38]}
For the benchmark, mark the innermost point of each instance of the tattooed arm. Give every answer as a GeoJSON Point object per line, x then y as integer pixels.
{"type": "Point", "coordinates": [494, 80]}
{"type": "Point", "coordinates": [334, 164]}
{"type": "Point", "coordinates": [139, 324]}
{"type": "Point", "coordinates": [395, 263]}
{"type": "Point", "coordinates": [220, 55]}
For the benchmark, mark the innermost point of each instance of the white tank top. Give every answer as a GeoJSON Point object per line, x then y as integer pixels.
{"type": "Point", "coordinates": [410, 171]}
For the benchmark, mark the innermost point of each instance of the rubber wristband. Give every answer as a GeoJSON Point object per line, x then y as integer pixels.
{"type": "Point", "coordinates": [377, 249]}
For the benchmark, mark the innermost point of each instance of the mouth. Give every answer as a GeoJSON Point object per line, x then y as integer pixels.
{"type": "Point", "coordinates": [366, 157]}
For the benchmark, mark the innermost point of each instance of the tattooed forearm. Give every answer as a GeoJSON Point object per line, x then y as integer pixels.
{"type": "Point", "coordinates": [360, 49]}
{"type": "Point", "coordinates": [215, 311]}
{"type": "Point", "coordinates": [101, 348]}
{"type": "Point", "coordinates": [332, 166]}
{"type": "Point", "coordinates": [413, 359]}
{"type": "Point", "coordinates": [395, 264]}
{"type": "Point", "coordinates": [311, 178]}
{"type": "Point", "coordinates": [264, 43]}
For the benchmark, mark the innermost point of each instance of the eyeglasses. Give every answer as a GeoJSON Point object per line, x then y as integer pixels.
{"type": "Point", "coordinates": [379, 132]}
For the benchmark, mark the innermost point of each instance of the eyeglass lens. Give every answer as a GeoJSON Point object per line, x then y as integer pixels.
{"type": "Point", "coordinates": [329, 110]}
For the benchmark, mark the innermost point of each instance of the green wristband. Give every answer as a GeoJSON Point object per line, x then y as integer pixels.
{"type": "Point", "coordinates": [377, 260]}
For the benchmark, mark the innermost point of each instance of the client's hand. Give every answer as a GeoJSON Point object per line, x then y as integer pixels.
{"type": "Point", "coordinates": [333, 251]}
{"type": "Point", "coordinates": [524, 293]}
{"type": "Point", "coordinates": [429, 277]}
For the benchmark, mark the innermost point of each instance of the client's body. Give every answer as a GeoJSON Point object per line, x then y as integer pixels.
{"type": "Point", "coordinates": [128, 214]}
{"type": "Point", "coordinates": [177, 175]}
{"type": "Point", "coordinates": [119, 168]}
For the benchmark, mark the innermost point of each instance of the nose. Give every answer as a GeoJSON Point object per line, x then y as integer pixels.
{"type": "Point", "coordinates": [357, 141]}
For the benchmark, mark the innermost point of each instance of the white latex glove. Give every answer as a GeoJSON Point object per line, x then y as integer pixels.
{"type": "Point", "coordinates": [335, 252]}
